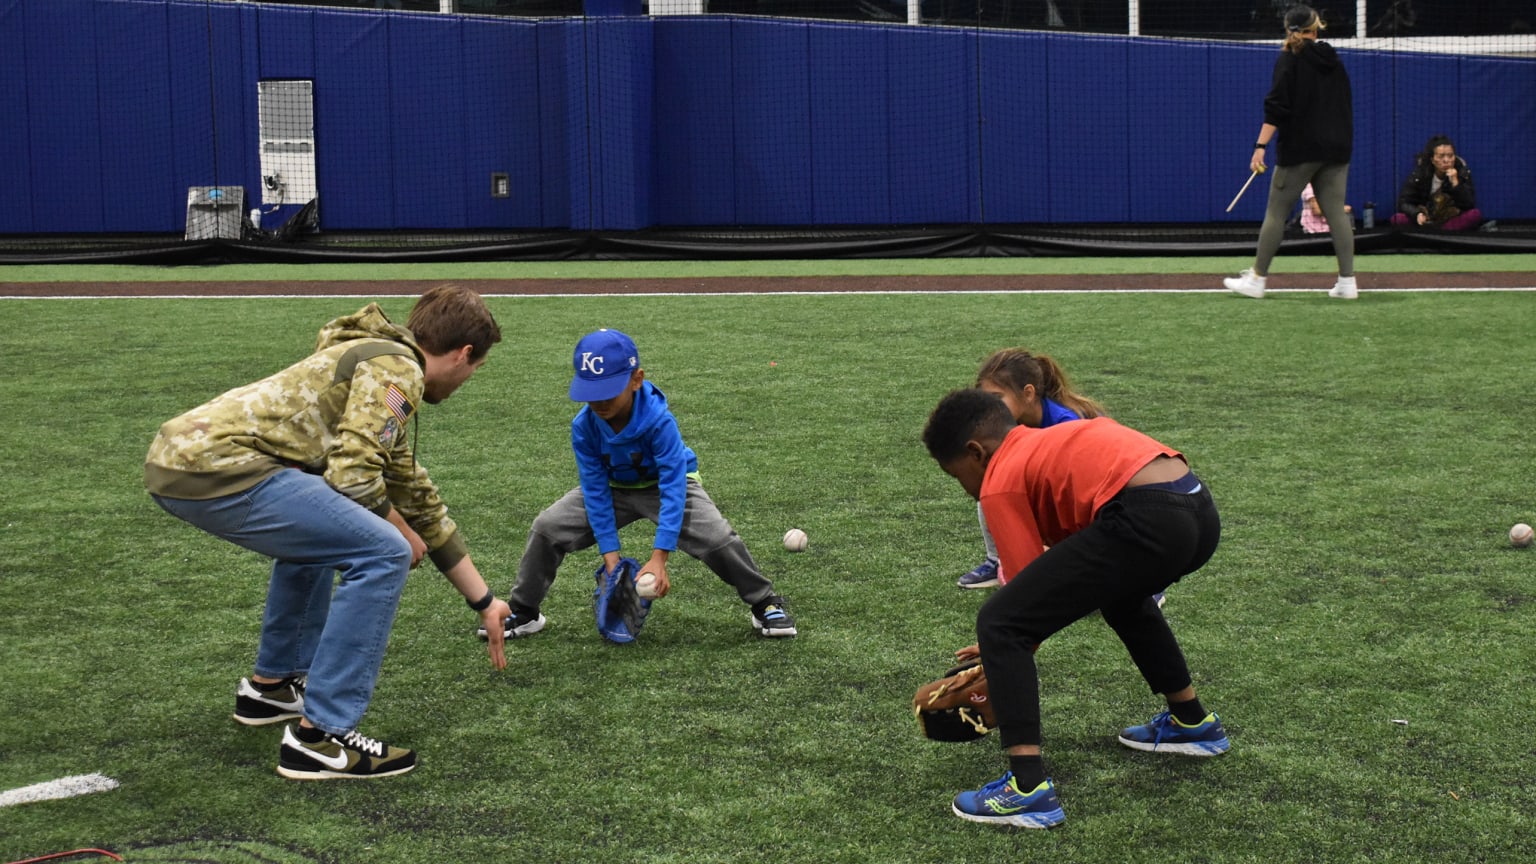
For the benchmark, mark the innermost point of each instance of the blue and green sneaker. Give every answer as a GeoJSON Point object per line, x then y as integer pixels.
{"type": "Point", "coordinates": [1165, 734]}
{"type": "Point", "coordinates": [1001, 803]}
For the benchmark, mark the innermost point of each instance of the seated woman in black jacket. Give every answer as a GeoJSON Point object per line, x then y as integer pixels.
{"type": "Point", "coordinates": [1438, 192]}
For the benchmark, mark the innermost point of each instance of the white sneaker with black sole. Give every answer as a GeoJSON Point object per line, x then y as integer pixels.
{"type": "Point", "coordinates": [340, 757]}
{"type": "Point", "coordinates": [257, 705]}
{"type": "Point", "coordinates": [517, 624]}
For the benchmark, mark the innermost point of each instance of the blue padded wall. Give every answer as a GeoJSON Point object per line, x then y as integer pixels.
{"type": "Point", "coordinates": [560, 53]}
{"type": "Point", "coordinates": [934, 164]}
{"type": "Point", "coordinates": [15, 132]}
{"type": "Point", "coordinates": [576, 136]}
{"type": "Point", "coordinates": [63, 101]}
{"type": "Point", "coordinates": [771, 71]}
{"type": "Point", "coordinates": [695, 142]}
{"type": "Point", "coordinates": [285, 41]}
{"type": "Point", "coordinates": [1168, 161]}
{"type": "Point", "coordinates": [136, 119]}
{"type": "Point", "coordinates": [501, 123]}
{"type": "Point", "coordinates": [620, 119]}
{"type": "Point", "coordinates": [1238, 78]}
{"type": "Point", "coordinates": [426, 105]}
{"type": "Point", "coordinates": [1018, 178]}
{"type": "Point", "coordinates": [208, 104]}
{"type": "Point", "coordinates": [354, 122]}
{"type": "Point", "coordinates": [1373, 165]}
{"type": "Point", "coordinates": [1505, 180]}
{"type": "Point", "coordinates": [1090, 130]}
{"type": "Point", "coordinates": [630, 121]}
{"type": "Point", "coordinates": [849, 125]}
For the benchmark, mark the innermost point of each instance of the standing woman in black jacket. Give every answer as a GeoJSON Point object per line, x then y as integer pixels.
{"type": "Point", "coordinates": [1309, 107]}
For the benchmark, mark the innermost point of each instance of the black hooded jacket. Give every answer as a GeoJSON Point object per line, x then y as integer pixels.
{"type": "Point", "coordinates": [1418, 190]}
{"type": "Point", "coordinates": [1311, 104]}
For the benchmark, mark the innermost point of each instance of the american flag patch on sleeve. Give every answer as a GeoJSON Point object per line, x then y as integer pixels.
{"type": "Point", "coordinates": [400, 406]}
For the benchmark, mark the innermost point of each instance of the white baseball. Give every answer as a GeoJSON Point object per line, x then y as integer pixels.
{"type": "Point", "coordinates": [795, 540]}
{"type": "Point", "coordinates": [1521, 535]}
{"type": "Point", "coordinates": [645, 586]}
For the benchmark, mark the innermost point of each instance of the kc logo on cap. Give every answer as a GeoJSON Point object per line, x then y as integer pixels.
{"type": "Point", "coordinates": [604, 361]}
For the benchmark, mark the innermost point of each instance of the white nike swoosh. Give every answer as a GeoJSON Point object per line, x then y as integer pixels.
{"type": "Point", "coordinates": [335, 763]}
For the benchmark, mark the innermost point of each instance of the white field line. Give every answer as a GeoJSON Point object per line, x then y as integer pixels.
{"type": "Point", "coordinates": [312, 296]}
{"type": "Point", "coordinates": [64, 787]}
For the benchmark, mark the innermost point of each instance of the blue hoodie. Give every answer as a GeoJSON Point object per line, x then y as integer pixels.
{"type": "Point", "coordinates": [648, 452]}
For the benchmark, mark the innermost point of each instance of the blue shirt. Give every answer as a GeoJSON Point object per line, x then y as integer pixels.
{"type": "Point", "coordinates": [1052, 413]}
{"type": "Point", "coordinates": [649, 451]}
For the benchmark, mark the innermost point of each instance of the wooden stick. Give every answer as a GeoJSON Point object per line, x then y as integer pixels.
{"type": "Point", "coordinates": [1241, 191]}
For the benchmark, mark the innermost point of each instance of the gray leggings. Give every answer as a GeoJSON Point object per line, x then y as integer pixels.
{"type": "Point", "coordinates": [1328, 180]}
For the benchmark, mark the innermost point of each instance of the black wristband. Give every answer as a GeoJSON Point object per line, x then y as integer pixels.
{"type": "Point", "coordinates": [1259, 145]}
{"type": "Point", "coordinates": [483, 603]}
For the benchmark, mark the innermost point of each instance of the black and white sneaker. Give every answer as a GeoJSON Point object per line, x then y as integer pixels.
{"type": "Point", "coordinates": [517, 624]}
{"type": "Point", "coordinates": [261, 704]}
{"type": "Point", "coordinates": [770, 618]}
{"type": "Point", "coordinates": [340, 757]}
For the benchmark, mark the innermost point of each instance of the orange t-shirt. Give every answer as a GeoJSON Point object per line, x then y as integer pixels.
{"type": "Point", "coordinates": [1044, 485]}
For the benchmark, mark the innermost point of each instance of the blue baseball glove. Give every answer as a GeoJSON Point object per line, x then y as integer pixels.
{"type": "Point", "coordinates": [618, 607]}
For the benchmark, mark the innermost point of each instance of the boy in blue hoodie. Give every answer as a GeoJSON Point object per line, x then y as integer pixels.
{"type": "Point", "coordinates": [633, 464]}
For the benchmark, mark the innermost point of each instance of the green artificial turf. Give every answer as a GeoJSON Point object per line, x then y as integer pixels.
{"type": "Point", "coordinates": [1365, 629]}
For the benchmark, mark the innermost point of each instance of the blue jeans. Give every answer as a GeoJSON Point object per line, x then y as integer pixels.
{"type": "Point", "coordinates": [312, 532]}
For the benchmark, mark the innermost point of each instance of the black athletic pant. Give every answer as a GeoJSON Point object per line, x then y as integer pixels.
{"type": "Point", "coordinates": [1142, 541]}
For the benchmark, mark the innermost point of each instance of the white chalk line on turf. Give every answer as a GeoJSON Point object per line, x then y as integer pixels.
{"type": "Point", "coordinates": [64, 787]}
{"type": "Point", "coordinates": [642, 293]}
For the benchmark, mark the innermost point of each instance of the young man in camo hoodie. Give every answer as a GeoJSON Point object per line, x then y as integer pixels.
{"type": "Point", "coordinates": [312, 467]}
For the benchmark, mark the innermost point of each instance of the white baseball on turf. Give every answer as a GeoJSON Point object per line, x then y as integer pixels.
{"type": "Point", "coordinates": [1521, 535]}
{"type": "Point", "coordinates": [645, 586]}
{"type": "Point", "coordinates": [795, 540]}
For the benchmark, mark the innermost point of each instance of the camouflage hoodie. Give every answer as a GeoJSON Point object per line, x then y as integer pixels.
{"type": "Point", "coordinates": [340, 412]}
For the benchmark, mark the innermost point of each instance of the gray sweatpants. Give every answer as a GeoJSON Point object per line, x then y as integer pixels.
{"type": "Point", "coordinates": [1328, 181]}
{"type": "Point", "coordinates": [562, 529]}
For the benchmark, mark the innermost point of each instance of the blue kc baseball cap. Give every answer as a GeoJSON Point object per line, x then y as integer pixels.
{"type": "Point", "coordinates": [604, 361]}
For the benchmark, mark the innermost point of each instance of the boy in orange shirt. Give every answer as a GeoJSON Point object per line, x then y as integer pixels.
{"type": "Point", "coordinates": [1123, 518]}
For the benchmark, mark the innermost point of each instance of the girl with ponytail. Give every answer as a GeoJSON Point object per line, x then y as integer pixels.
{"type": "Point", "coordinates": [1038, 394]}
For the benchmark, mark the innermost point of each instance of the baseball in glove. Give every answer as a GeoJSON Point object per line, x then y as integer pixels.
{"type": "Point", "coordinates": [957, 707]}
{"type": "Point", "coordinates": [618, 607]}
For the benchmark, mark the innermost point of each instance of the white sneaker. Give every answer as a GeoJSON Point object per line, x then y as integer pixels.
{"type": "Point", "coordinates": [1344, 289]}
{"type": "Point", "coordinates": [1246, 284]}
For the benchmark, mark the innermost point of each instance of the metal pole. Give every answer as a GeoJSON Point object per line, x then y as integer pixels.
{"type": "Point", "coordinates": [1133, 25]}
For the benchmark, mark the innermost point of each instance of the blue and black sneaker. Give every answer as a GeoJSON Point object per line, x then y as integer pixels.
{"type": "Point", "coordinates": [983, 575]}
{"type": "Point", "coordinates": [770, 618]}
{"type": "Point", "coordinates": [1001, 803]}
{"type": "Point", "coordinates": [1165, 734]}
